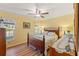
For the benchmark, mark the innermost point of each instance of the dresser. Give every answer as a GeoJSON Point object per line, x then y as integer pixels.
{"type": "Point", "coordinates": [2, 42]}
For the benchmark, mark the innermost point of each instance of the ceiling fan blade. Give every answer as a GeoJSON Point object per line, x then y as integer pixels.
{"type": "Point", "coordinates": [42, 16]}
{"type": "Point", "coordinates": [27, 9]}
{"type": "Point", "coordinates": [23, 9]}
{"type": "Point", "coordinates": [31, 14]}
{"type": "Point", "coordinates": [44, 13]}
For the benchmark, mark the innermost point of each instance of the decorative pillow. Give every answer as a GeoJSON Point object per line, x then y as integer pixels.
{"type": "Point", "coordinates": [50, 33]}
{"type": "Point", "coordinates": [68, 48]}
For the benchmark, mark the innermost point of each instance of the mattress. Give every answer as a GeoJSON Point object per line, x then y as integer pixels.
{"type": "Point", "coordinates": [49, 36]}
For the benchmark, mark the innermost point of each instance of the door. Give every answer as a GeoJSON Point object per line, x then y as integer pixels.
{"type": "Point", "coordinates": [2, 42]}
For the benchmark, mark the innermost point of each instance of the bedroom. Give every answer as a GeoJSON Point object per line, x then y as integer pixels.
{"type": "Point", "coordinates": [22, 19]}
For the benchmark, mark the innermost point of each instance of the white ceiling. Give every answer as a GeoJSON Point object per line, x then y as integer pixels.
{"type": "Point", "coordinates": [54, 9]}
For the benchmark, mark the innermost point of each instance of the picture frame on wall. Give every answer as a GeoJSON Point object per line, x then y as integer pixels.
{"type": "Point", "coordinates": [26, 25]}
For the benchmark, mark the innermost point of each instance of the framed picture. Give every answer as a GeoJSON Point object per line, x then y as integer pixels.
{"type": "Point", "coordinates": [26, 25]}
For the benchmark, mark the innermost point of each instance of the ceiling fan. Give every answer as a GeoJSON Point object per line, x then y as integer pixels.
{"type": "Point", "coordinates": [39, 13]}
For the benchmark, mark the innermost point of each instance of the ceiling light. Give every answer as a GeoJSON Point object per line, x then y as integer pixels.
{"type": "Point", "coordinates": [38, 15]}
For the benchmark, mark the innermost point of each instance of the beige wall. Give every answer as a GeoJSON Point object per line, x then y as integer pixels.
{"type": "Point", "coordinates": [21, 34]}
{"type": "Point", "coordinates": [65, 23]}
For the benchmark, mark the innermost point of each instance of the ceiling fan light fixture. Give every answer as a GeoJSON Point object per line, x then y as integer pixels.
{"type": "Point", "coordinates": [38, 15]}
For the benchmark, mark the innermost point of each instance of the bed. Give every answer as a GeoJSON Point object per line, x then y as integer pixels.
{"type": "Point", "coordinates": [39, 41]}
{"type": "Point", "coordinates": [63, 47]}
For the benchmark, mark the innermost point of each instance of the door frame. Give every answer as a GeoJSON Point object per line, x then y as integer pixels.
{"type": "Point", "coordinates": [76, 27]}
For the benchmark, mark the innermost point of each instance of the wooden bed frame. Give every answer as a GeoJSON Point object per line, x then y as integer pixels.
{"type": "Point", "coordinates": [53, 30]}
{"type": "Point", "coordinates": [39, 44]}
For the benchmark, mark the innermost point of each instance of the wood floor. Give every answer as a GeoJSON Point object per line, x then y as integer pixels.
{"type": "Point", "coordinates": [22, 50]}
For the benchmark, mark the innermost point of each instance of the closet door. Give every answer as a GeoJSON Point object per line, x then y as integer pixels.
{"type": "Point", "coordinates": [2, 42]}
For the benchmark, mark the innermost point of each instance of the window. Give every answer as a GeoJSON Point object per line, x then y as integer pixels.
{"type": "Point", "coordinates": [10, 28]}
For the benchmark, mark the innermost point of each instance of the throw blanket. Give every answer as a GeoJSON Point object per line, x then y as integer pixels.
{"type": "Point", "coordinates": [64, 44]}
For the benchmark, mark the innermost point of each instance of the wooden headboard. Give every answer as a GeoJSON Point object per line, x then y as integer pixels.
{"type": "Point", "coordinates": [53, 29]}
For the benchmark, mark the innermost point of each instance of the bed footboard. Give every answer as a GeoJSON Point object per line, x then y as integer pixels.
{"type": "Point", "coordinates": [37, 43]}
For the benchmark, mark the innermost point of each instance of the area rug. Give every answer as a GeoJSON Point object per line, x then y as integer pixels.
{"type": "Point", "coordinates": [28, 52]}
